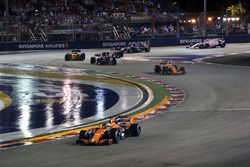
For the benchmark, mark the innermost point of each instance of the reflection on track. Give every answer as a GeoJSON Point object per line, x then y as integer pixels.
{"type": "Point", "coordinates": [44, 103]}
{"type": "Point", "coordinates": [179, 58]}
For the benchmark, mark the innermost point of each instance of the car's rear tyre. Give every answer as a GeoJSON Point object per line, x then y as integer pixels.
{"type": "Point", "coordinates": [67, 57]}
{"type": "Point", "coordinates": [222, 45]}
{"type": "Point", "coordinates": [115, 135]}
{"type": "Point", "coordinates": [92, 60]}
{"type": "Point", "coordinates": [121, 54]}
{"type": "Point", "coordinates": [182, 70]}
{"type": "Point", "coordinates": [157, 69]}
{"type": "Point", "coordinates": [82, 56]}
{"type": "Point", "coordinates": [148, 49]}
{"type": "Point", "coordinates": [113, 61]}
{"type": "Point", "coordinates": [135, 129]}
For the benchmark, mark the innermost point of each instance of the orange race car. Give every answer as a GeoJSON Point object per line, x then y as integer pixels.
{"type": "Point", "coordinates": [168, 68]}
{"type": "Point", "coordinates": [112, 132]}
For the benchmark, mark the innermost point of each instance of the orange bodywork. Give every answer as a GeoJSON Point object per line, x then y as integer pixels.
{"type": "Point", "coordinates": [96, 138]}
{"type": "Point", "coordinates": [98, 133]}
{"type": "Point", "coordinates": [173, 69]}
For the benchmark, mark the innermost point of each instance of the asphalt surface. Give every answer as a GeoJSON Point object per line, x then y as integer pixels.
{"type": "Point", "coordinates": [210, 128]}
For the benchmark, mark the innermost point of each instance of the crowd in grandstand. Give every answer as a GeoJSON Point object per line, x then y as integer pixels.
{"type": "Point", "coordinates": [64, 12]}
{"type": "Point", "coordinates": [50, 14]}
{"type": "Point", "coordinates": [62, 16]}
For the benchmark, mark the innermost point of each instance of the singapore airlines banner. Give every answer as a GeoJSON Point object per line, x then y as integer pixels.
{"type": "Point", "coordinates": [43, 46]}
{"type": "Point", "coordinates": [168, 41]}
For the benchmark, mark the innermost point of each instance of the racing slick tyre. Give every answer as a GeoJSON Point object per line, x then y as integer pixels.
{"type": "Point", "coordinates": [121, 54]}
{"type": "Point", "coordinates": [157, 69]}
{"type": "Point", "coordinates": [83, 135]}
{"type": "Point", "coordinates": [67, 57]}
{"type": "Point", "coordinates": [92, 60]}
{"type": "Point", "coordinates": [82, 56]}
{"type": "Point", "coordinates": [135, 129]}
{"type": "Point", "coordinates": [147, 49]}
{"type": "Point", "coordinates": [182, 70]}
{"type": "Point", "coordinates": [222, 45]}
{"type": "Point", "coordinates": [113, 61]}
{"type": "Point", "coordinates": [115, 135]}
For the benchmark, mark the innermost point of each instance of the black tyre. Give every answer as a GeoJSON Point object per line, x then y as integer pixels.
{"type": "Point", "coordinates": [82, 56]}
{"type": "Point", "coordinates": [147, 49]}
{"type": "Point", "coordinates": [115, 135]}
{"type": "Point", "coordinates": [67, 57]}
{"type": "Point", "coordinates": [157, 69]}
{"type": "Point", "coordinates": [113, 61]}
{"type": "Point", "coordinates": [182, 70]}
{"type": "Point", "coordinates": [222, 45]}
{"type": "Point", "coordinates": [83, 135]}
{"type": "Point", "coordinates": [121, 54]}
{"type": "Point", "coordinates": [92, 60]}
{"type": "Point", "coordinates": [135, 129]}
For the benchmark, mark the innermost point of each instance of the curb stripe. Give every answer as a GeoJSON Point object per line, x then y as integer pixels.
{"type": "Point", "coordinates": [163, 106]}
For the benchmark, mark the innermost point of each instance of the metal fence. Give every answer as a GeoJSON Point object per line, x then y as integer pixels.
{"type": "Point", "coordinates": [120, 27]}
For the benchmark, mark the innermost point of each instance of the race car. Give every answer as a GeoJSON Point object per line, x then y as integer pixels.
{"type": "Point", "coordinates": [111, 132]}
{"type": "Point", "coordinates": [75, 55]}
{"type": "Point", "coordinates": [117, 54]}
{"type": "Point", "coordinates": [168, 68]}
{"type": "Point", "coordinates": [105, 58]}
{"type": "Point", "coordinates": [208, 43]}
{"type": "Point", "coordinates": [135, 47]}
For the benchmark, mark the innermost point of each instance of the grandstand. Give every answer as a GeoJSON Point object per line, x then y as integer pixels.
{"type": "Point", "coordinates": [91, 20]}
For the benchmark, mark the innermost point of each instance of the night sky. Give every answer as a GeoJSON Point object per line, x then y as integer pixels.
{"type": "Point", "coordinates": [212, 5]}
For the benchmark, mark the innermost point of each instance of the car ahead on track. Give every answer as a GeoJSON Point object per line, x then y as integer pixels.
{"type": "Point", "coordinates": [114, 131]}
{"type": "Point", "coordinates": [208, 43]}
{"type": "Point", "coordinates": [105, 58]}
{"type": "Point", "coordinates": [117, 54]}
{"type": "Point", "coordinates": [75, 55]}
{"type": "Point", "coordinates": [135, 47]}
{"type": "Point", "coordinates": [168, 68]}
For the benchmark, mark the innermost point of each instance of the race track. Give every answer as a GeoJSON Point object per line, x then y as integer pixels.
{"type": "Point", "coordinates": [210, 128]}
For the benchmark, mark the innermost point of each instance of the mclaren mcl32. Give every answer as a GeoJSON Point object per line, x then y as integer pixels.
{"type": "Point", "coordinates": [111, 132]}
